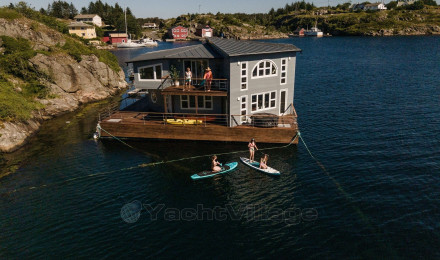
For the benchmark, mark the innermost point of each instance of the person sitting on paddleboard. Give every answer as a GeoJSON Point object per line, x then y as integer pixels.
{"type": "Point", "coordinates": [215, 164]}
{"type": "Point", "coordinates": [263, 161]}
{"type": "Point", "coordinates": [252, 146]}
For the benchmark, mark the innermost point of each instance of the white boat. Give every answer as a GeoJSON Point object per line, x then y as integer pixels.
{"type": "Point", "coordinates": [314, 31]}
{"type": "Point", "coordinates": [135, 44]}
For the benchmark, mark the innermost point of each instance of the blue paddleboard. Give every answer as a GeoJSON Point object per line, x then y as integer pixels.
{"type": "Point", "coordinates": [207, 174]}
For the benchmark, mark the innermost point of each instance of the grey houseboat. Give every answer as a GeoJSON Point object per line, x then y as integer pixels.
{"type": "Point", "coordinates": [251, 94]}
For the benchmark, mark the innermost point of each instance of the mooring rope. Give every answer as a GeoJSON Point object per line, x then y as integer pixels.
{"type": "Point", "coordinates": [143, 165]}
{"type": "Point", "coordinates": [348, 197]}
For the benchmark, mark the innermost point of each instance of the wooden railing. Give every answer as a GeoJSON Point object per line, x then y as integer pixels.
{"type": "Point", "coordinates": [253, 120]}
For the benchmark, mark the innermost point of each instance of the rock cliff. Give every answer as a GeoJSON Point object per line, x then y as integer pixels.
{"type": "Point", "coordinates": [71, 83]}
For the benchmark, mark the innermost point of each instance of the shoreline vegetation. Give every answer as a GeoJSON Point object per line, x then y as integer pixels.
{"type": "Point", "coordinates": [45, 72]}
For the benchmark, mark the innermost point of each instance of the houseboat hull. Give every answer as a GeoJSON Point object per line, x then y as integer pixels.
{"type": "Point", "coordinates": [125, 129]}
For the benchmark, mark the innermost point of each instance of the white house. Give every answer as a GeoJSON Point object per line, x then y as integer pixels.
{"type": "Point", "coordinates": [149, 26]}
{"type": "Point", "coordinates": [89, 18]}
{"type": "Point", "coordinates": [375, 7]}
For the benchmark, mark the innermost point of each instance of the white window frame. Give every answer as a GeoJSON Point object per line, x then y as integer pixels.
{"type": "Point", "coordinates": [154, 72]}
{"type": "Point", "coordinates": [263, 101]}
{"type": "Point", "coordinates": [245, 76]}
{"type": "Point", "coordinates": [257, 66]}
{"type": "Point", "coordinates": [283, 70]}
{"type": "Point", "coordinates": [285, 101]}
{"type": "Point", "coordinates": [243, 118]}
{"type": "Point", "coordinates": [200, 106]}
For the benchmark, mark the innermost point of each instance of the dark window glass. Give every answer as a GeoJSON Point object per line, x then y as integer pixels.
{"type": "Point", "coordinates": [272, 95]}
{"type": "Point", "coordinates": [192, 101]}
{"type": "Point", "coordinates": [158, 72]}
{"type": "Point", "coordinates": [254, 98]}
{"type": "Point", "coordinates": [260, 101]}
{"type": "Point", "coordinates": [266, 100]}
{"type": "Point", "coordinates": [147, 73]}
{"type": "Point", "coordinates": [254, 73]}
{"type": "Point", "coordinates": [200, 101]}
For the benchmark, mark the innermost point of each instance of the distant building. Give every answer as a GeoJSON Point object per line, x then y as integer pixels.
{"type": "Point", "coordinates": [299, 31]}
{"type": "Point", "coordinates": [375, 7]}
{"type": "Point", "coordinates": [405, 3]}
{"type": "Point", "coordinates": [115, 38]}
{"type": "Point", "coordinates": [204, 31]}
{"type": "Point", "coordinates": [83, 30]}
{"type": "Point", "coordinates": [366, 7]}
{"type": "Point", "coordinates": [178, 33]}
{"type": "Point", "coordinates": [150, 26]}
{"type": "Point", "coordinates": [89, 18]}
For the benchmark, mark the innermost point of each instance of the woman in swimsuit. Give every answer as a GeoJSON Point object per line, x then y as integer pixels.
{"type": "Point", "coordinates": [188, 76]}
{"type": "Point", "coordinates": [252, 146]}
{"type": "Point", "coordinates": [215, 165]}
{"type": "Point", "coordinates": [263, 161]}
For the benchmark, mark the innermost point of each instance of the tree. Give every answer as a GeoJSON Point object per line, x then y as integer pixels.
{"type": "Point", "coordinates": [391, 5]}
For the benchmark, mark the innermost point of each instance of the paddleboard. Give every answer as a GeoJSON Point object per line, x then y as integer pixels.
{"type": "Point", "coordinates": [207, 174]}
{"type": "Point", "coordinates": [256, 166]}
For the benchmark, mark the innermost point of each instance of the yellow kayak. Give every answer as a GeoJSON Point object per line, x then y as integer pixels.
{"type": "Point", "coordinates": [183, 121]}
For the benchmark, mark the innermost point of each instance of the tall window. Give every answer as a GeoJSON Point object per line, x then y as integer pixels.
{"type": "Point", "coordinates": [263, 101]}
{"type": "Point", "coordinates": [189, 102]}
{"type": "Point", "coordinates": [243, 109]}
{"type": "Point", "coordinates": [265, 68]}
{"type": "Point", "coordinates": [243, 76]}
{"type": "Point", "coordinates": [283, 75]}
{"type": "Point", "coordinates": [153, 72]}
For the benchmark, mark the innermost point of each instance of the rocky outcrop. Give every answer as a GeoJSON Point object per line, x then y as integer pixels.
{"type": "Point", "coordinates": [71, 83]}
{"type": "Point", "coordinates": [14, 135]}
{"type": "Point", "coordinates": [42, 36]}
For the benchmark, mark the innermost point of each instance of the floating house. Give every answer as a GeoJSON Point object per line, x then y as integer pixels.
{"type": "Point", "coordinates": [250, 95]}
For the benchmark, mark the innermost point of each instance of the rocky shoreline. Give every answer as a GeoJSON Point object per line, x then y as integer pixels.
{"type": "Point", "coordinates": [71, 84]}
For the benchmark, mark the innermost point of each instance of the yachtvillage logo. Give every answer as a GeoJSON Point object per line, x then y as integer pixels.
{"type": "Point", "coordinates": [131, 213]}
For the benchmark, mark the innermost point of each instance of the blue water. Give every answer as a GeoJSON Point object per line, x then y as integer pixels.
{"type": "Point", "coordinates": [369, 112]}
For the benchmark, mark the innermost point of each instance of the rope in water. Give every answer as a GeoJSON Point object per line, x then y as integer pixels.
{"type": "Point", "coordinates": [143, 165]}
{"type": "Point", "coordinates": [349, 198]}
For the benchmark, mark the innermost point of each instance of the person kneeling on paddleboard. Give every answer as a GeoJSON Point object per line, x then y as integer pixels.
{"type": "Point", "coordinates": [215, 164]}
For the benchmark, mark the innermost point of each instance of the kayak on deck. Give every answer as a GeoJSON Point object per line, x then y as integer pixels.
{"type": "Point", "coordinates": [256, 166]}
{"type": "Point", "coordinates": [207, 174]}
{"type": "Point", "coordinates": [183, 121]}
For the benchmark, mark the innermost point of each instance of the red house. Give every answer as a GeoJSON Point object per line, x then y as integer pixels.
{"type": "Point", "coordinates": [178, 33]}
{"type": "Point", "coordinates": [204, 31]}
{"type": "Point", "coordinates": [115, 38]}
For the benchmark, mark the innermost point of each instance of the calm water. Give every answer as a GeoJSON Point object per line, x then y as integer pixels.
{"type": "Point", "coordinates": [369, 110]}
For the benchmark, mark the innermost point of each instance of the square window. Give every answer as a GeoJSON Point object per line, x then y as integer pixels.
{"type": "Point", "coordinates": [272, 95]}
{"type": "Point", "coordinates": [283, 62]}
{"type": "Point", "coordinates": [267, 64]}
{"type": "Point", "coordinates": [243, 99]}
{"type": "Point", "coordinates": [243, 65]}
{"type": "Point", "coordinates": [243, 106]}
{"type": "Point", "coordinates": [254, 98]}
{"type": "Point", "coordinates": [243, 85]}
{"type": "Point", "coordinates": [146, 73]}
{"type": "Point", "coordinates": [272, 103]}
{"type": "Point", "coordinates": [283, 81]}
{"type": "Point", "coordinates": [208, 105]}
{"type": "Point", "coordinates": [243, 73]}
{"type": "Point", "coordinates": [243, 80]}
{"type": "Point", "coordinates": [184, 104]}
{"type": "Point", "coordinates": [254, 107]}
{"type": "Point", "coordinates": [261, 65]}
{"type": "Point", "coordinates": [268, 71]}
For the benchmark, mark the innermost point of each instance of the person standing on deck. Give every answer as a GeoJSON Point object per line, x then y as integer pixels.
{"type": "Point", "coordinates": [252, 146]}
{"type": "Point", "coordinates": [188, 76]}
{"type": "Point", "coordinates": [208, 79]}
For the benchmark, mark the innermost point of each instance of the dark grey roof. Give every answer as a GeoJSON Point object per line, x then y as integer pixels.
{"type": "Point", "coordinates": [231, 47]}
{"type": "Point", "coordinates": [199, 51]}
{"type": "Point", "coordinates": [217, 48]}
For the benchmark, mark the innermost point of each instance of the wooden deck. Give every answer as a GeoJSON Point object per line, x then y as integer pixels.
{"type": "Point", "coordinates": [154, 126]}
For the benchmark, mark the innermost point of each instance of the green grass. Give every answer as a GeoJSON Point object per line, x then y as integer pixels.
{"type": "Point", "coordinates": [15, 105]}
{"type": "Point", "coordinates": [9, 14]}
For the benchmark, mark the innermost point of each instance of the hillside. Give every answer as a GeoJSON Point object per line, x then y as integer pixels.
{"type": "Point", "coordinates": [336, 21]}
{"type": "Point", "coordinates": [44, 73]}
